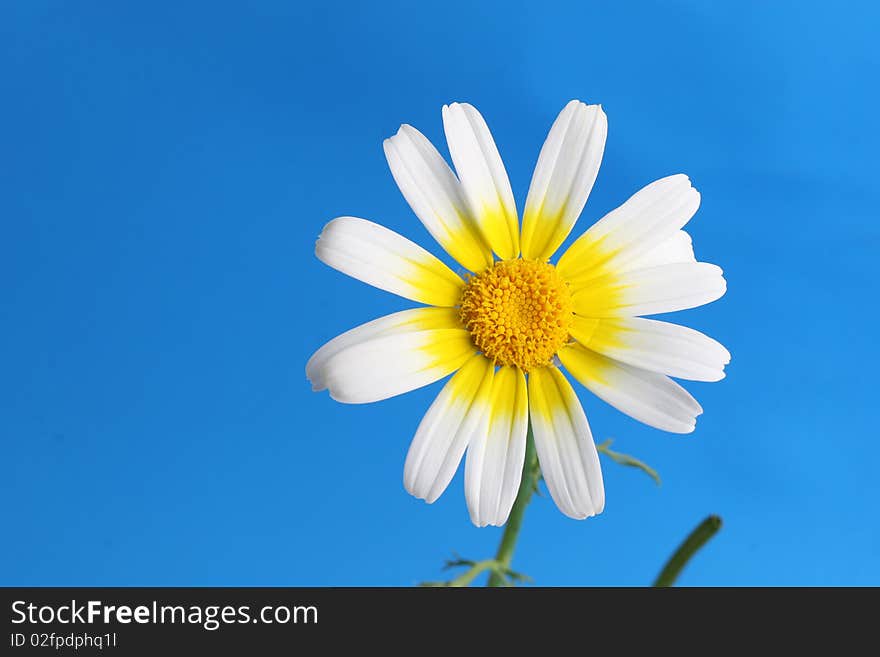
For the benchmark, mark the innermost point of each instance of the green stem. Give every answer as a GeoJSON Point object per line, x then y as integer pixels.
{"type": "Point", "coordinates": [511, 530]}
{"type": "Point", "coordinates": [470, 575]}
{"type": "Point", "coordinates": [697, 539]}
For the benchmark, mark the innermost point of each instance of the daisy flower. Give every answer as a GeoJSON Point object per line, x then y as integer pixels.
{"type": "Point", "coordinates": [509, 320]}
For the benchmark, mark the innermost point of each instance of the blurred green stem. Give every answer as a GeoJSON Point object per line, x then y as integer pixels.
{"type": "Point", "coordinates": [697, 539]}
{"type": "Point", "coordinates": [470, 575]}
{"type": "Point", "coordinates": [511, 530]}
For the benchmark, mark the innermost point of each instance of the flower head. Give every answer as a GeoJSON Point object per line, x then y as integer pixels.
{"type": "Point", "coordinates": [505, 326]}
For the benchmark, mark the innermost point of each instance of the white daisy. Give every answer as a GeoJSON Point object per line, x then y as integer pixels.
{"type": "Point", "coordinates": [506, 328]}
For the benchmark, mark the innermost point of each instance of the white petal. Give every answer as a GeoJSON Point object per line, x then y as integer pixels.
{"type": "Point", "coordinates": [391, 364]}
{"type": "Point", "coordinates": [435, 195]}
{"type": "Point", "coordinates": [649, 217]}
{"type": "Point", "coordinates": [564, 443]}
{"type": "Point", "coordinates": [652, 398]}
{"type": "Point", "coordinates": [380, 257]}
{"type": "Point", "coordinates": [566, 170]}
{"type": "Point", "coordinates": [649, 291]}
{"type": "Point", "coordinates": [406, 321]}
{"type": "Point", "coordinates": [655, 346]}
{"type": "Point", "coordinates": [674, 249]}
{"type": "Point", "coordinates": [494, 465]}
{"type": "Point", "coordinates": [483, 177]}
{"type": "Point", "coordinates": [460, 411]}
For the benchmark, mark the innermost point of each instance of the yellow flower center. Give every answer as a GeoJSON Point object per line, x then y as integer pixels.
{"type": "Point", "coordinates": [518, 312]}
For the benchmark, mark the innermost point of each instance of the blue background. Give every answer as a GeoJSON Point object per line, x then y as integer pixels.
{"type": "Point", "coordinates": [165, 172]}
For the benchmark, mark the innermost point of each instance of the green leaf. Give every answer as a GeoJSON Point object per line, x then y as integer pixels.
{"type": "Point", "coordinates": [517, 578]}
{"type": "Point", "coordinates": [626, 459]}
{"type": "Point", "coordinates": [457, 562]}
{"type": "Point", "coordinates": [474, 569]}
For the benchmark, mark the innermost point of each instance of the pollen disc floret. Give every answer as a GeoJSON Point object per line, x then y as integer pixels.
{"type": "Point", "coordinates": [518, 312]}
